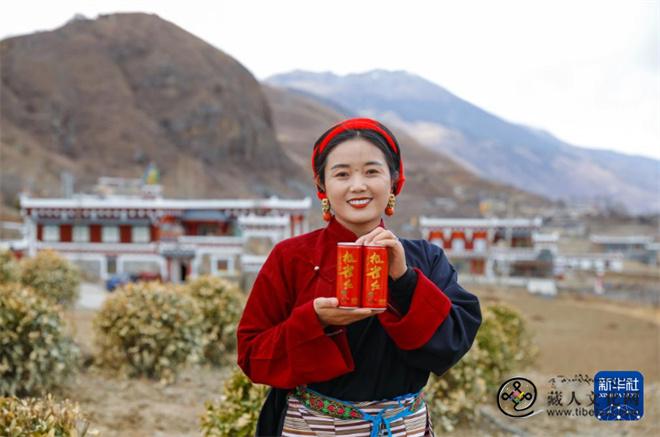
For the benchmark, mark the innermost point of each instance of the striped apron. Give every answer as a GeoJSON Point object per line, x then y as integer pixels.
{"type": "Point", "coordinates": [310, 413]}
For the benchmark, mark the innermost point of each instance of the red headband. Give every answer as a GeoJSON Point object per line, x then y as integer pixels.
{"type": "Point", "coordinates": [359, 124]}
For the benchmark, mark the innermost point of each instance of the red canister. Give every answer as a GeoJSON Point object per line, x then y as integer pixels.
{"type": "Point", "coordinates": [349, 274]}
{"type": "Point", "coordinates": [374, 283]}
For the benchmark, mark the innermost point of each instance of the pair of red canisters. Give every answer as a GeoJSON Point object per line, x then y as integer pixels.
{"type": "Point", "coordinates": [361, 276]}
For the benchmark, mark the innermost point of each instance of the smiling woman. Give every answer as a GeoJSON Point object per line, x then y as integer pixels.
{"type": "Point", "coordinates": [353, 371]}
{"type": "Point", "coordinates": [357, 184]}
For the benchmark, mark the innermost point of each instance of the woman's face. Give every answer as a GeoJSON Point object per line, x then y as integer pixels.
{"type": "Point", "coordinates": [358, 184]}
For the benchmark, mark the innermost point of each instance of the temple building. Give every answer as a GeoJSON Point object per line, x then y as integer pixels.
{"type": "Point", "coordinates": [492, 246]}
{"type": "Point", "coordinates": [510, 248]}
{"type": "Point", "coordinates": [131, 229]}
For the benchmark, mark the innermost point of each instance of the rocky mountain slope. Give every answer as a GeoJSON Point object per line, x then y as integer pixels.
{"type": "Point", "coordinates": [108, 96]}
{"type": "Point", "coordinates": [490, 146]}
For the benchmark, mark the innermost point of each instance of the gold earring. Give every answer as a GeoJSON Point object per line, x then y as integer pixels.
{"type": "Point", "coordinates": [325, 208]}
{"type": "Point", "coordinates": [391, 202]}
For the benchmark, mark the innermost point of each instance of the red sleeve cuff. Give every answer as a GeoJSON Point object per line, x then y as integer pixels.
{"type": "Point", "coordinates": [428, 309]}
{"type": "Point", "coordinates": [294, 358]}
{"type": "Point", "coordinates": [305, 323]}
{"type": "Point", "coordinates": [313, 344]}
{"type": "Point", "coordinates": [310, 326]}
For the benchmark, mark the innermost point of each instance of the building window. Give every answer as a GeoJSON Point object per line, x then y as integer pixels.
{"type": "Point", "coordinates": [223, 265]}
{"type": "Point", "coordinates": [207, 229]}
{"type": "Point", "coordinates": [112, 265]}
{"type": "Point", "coordinates": [110, 234]}
{"type": "Point", "coordinates": [81, 234]}
{"type": "Point", "coordinates": [51, 233]}
{"type": "Point", "coordinates": [140, 234]}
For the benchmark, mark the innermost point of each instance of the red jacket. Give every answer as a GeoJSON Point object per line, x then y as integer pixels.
{"type": "Point", "coordinates": [281, 341]}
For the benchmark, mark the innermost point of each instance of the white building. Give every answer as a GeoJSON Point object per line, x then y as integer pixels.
{"type": "Point", "coordinates": [171, 238]}
{"type": "Point", "coordinates": [492, 246]}
{"type": "Point", "coordinates": [515, 248]}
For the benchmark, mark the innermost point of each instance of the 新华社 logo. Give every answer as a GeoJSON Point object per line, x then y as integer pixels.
{"type": "Point", "coordinates": [618, 395]}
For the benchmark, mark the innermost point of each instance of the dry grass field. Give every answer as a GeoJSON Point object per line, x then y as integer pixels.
{"type": "Point", "coordinates": [583, 335]}
{"type": "Point", "coordinates": [575, 335]}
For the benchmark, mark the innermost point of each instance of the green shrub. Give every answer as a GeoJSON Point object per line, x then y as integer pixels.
{"type": "Point", "coordinates": [236, 414]}
{"type": "Point", "coordinates": [508, 344]}
{"type": "Point", "coordinates": [222, 304]}
{"type": "Point", "coordinates": [149, 329]}
{"type": "Point", "coordinates": [503, 345]}
{"type": "Point", "coordinates": [35, 352]}
{"type": "Point", "coordinates": [8, 267]}
{"type": "Point", "coordinates": [453, 396]}
{"type": "Point", "coordinates": [52, 276]}
{"type": "Point", "coordinates": [42, 418]}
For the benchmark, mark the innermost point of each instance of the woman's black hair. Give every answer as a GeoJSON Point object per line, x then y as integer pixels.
{"type": "Point", "coordinates": [321, 160]}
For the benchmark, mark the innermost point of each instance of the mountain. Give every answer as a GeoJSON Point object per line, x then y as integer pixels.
{"type": "Point", "coordinates": [108, 96]}
{"type": "Point", "coordinates": [493, 148]}
{"type": "Point", "coordinates": [436, 185]}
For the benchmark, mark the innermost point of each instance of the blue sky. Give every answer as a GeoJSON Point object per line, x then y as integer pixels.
{"type": "Point", "coordinates": [586, 71]}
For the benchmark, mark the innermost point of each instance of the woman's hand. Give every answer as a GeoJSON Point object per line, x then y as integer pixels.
{"type": "Point", "coordinates": [396, 255]}
{"type": "Point", "coordinates": [328, 313]}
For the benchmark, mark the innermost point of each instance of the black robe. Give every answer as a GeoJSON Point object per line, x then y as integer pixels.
{"type": "Point", "coordinates": [382, 370]}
